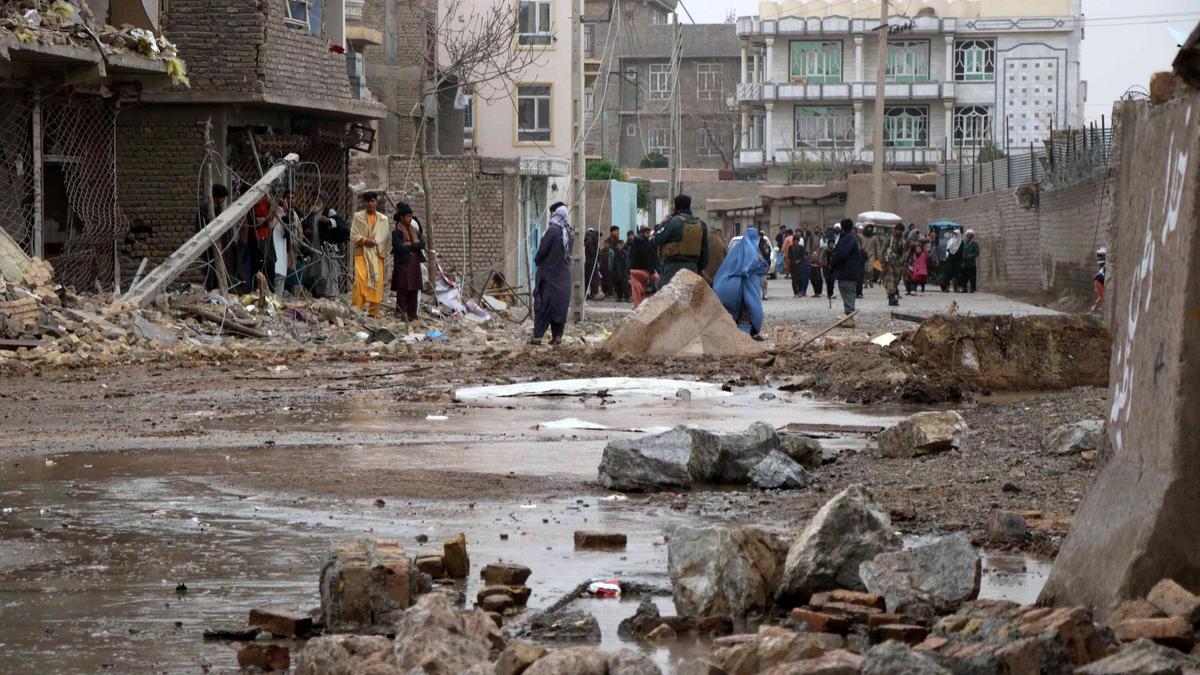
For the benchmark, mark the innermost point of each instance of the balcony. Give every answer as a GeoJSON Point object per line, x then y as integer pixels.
{"type": "Point", "coordinates": [752, 26]}
{"type": "Point", "coordinates": [842, 92]}
{"type": "Point", "coordinates": [895, 157]}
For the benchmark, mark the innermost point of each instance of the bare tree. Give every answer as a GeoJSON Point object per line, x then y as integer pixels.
{"type": "Point", "coordinates": [717, 117]}
{"type": "Point", "coordinates": [470, 45]}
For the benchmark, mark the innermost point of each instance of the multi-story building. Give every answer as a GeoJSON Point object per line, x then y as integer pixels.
{"type": "Point", "coordinates": [628, 58]}
{"type": "Point", "coordinates": [960, 76]}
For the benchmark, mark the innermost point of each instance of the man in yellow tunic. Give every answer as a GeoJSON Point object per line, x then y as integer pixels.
{"type": "Point", "coordinates": [371, 234]}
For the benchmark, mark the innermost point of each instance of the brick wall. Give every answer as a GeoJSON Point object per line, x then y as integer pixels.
{"type": "Point", "coordinates": [458, 184]}
{"type": "Point", "coordinates": [240, 46]}
{"type": "Point", "coordinates": [1048, 248]}
{"type": "Point", "coordinates": [157, 165]}
{"type": "Point", "coordinates": [394, 68]}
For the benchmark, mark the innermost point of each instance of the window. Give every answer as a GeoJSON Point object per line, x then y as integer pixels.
{"type": "Point", "coordinates": [533, 113]}
{"type": "Point", "coordinates": [824, 127]}
{"type": "Point", "coordinates": [708, 81]}
{"type": "Point", "coordinates": [306, 13]}
{"type": "Point", "coordinates": [705, 147]}
{"type": "Point", "coordinates": [533, 23]}
{"type": "Point", "coordinates": [658, 18]}
{"type": "Point", "coordinates": [975, 60]}
{"type": "Point", "coordinates": [660, 141]}
{"type": "Point", "coordinates": [469, 118]}
{"type": "Point", "coordinates": [908, 61]}
{"type": "Point", "coordinates": [660, 81]}
{"type": "Point", "coordinates": [906, 127]}
{"type": "Point", "coordinates": [589, 101]}
{"type": "Point", "coordinates": [972, 125]}
{"type": "Point", "coordinates": [816, 61]}
{"type": "Point", "coordinates": [631, 130]}
{"type": "Point", "coordinates": [589, 41]}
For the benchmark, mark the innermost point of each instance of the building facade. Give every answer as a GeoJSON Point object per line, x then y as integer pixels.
{"type": "Point", "coordinates": [961, 76]}
{"type": "Point", "coordinates": [631, 80]}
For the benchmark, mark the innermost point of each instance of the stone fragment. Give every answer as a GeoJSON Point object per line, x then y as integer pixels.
{"type": "Point", "coordinates": [267, 658]}
{"type": "Point", "coordinates": [770, 647]}
{"type": "Point", "coordinates": [1007, 526]}
{"type": "Point", "coordinates": [232, 633]}
{"type": "Point", "coordinates": [821, 622]}
{"type": "Point", "coordinates": [365, 585]}
{"type": "Point", "coordinates": [1132, 609]}
{"type": "Point", "coordinates": [518, 594]}
{"type": "Point", "coordinates": [740, 453]}
{"type": "Point", "coordinates": [344, 655]}
{"type": "Point", "coordinates": [804, 450]}
{"type": "Point", "coordinates": [724, 571]}
{"type": "Point", "coordinates": [505, 574]}
{"type": "Point", "coordinates": [517, 657]}
{"type": "Point", "coordinates": [496, 602]}
{"type": "Point", "coordinates": [152, 332]}
{"type": "Point", "coordinates": [715, 625]}
{"type": "Point", "coordinates": [848, 530]}
{"type": "Point", "coordinates": [629, 662]}
{"type": "Point", "coordinates": [1170, 631]}
{"type": "Point", "coordinates": [1074, 438]}
{"type": "Point", "coordinates": [1175, 600]}
{"type": "Point", "coordinates": [909, 634]}
{"type": "Point", "coordinates": [924, 433]}
{"type": "Point", "coordinates": [569, 625]}
{"type": "Point", "coordinates": [778, 471]}
{"type": "Point", "coordinates": [435, 638]}
{"type": "Point", "coordinates": [664, 633]}
{"type": "Point", "coordinates": [666, 460]}
{"type": "Point", "coordinates": [1143, 657]}
{"type": "Point", "coordinates": [894, 658]}
{"type": "Point", "coordinates": [454, 557]}
{"type": "Point", "coordinates": [281, 622]}
{"type": "Point", "coordinates": [599, 540]}
{"type": "Point", "coordinates": [843, 596]}
{"type": "Point", "coordinates": [683, 319]}
{"type": "Point", "coordinates": [581, 660]}
{"type": "Point", "coordinates": [433, 565]}
{"type": "Point", "coordinates": [926, 580]}
{"type": "Point", "coordinates": [837, 662]}
{"type": "Point", "coordinates": [883, 619]}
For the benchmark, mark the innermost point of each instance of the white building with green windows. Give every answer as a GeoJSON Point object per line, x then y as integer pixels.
{"type": "Point", "coordinates": [959, 75]}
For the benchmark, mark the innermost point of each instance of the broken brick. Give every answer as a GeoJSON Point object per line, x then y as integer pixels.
{"type": "Point", "coordinates": [603, 540]}
{"type": "Point", "coordinates": [1171, 632]}
{"type": "Point", "coordinates": [505, 574]}
{"type": "Point", "coordinates": [820, 622]}
{"type": "Point", "coordinates": [267, 658]}
{"type": "Point", "coordinates": [281, 622]}
{"type": "Point", "coordinates": [843, 596]}
{"type": "Point", "coordinates": [883, 619]}
{"type": "Point", "coordinates": [907, 633]}
{"type": "Point", "coordinates": [1175, 600]}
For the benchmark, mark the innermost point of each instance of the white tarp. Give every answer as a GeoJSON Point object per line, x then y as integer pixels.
{"type": "Point", "coordinates": [612, 386]}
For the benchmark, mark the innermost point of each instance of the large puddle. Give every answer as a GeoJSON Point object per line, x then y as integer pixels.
{"type": "Point", "coordinates": [94, 547]}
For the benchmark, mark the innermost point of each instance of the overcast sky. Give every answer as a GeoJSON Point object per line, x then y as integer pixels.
{"type": "Point", "coordinates": [1117, 52]}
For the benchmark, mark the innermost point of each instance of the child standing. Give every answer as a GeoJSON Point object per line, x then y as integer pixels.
{"type": "Point", "coordinates": [920, 267]}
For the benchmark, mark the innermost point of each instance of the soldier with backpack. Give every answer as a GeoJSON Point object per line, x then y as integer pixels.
{"type": "Point", "coordinates": [683, 241]}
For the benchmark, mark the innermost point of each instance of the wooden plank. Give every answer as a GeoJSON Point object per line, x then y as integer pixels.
{"type": "Point", "coordinates": [814, 427]}
{"type": "Point", "coordinates": [18, 344]}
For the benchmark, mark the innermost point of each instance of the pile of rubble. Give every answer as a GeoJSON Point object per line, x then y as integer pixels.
{"type": "Point", "coordinates": [45, 324]}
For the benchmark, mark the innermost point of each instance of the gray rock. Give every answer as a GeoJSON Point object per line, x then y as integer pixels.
{"type": "Point", "coordinates": [592, 661]}
{"type": "Point", "coordinates": [740, 453]}
{"type": "Point", "coordinates": [922, 581]}
{"type": "Point", "coordinates": [148, 330]}
{"type": "Point", "coordinates": [432, 636]}
{"type": "Point", "coordinates": [645, 619]}
{"type": "Point", "coordinates": [628, 662]}
{"type": "Point", "coordinates": [671, 459]}
{"type": "Point", "coordinates": [723, 571]}
{"type": "Point", "coordinates": [573, 625]}
{"type": "Point", "coordinates": [804, 450]}
{"type": "Point", "coordinates": [1074, 438]}
{"type": "Point", "coordinates": [923, 434]}
{"type": "Point", "coordinates": [894, 658]}
{"type": "Point", "coordinates": [849, 530]}
{"type": "Point", "coordinates": [1143, 657]}
{"type": "Point", "coordinates": [778, 471]}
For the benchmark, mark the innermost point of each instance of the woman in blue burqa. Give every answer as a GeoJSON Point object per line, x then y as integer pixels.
{"type": "Point", "coordinates": [738, 282]}
{"type": "Point", "coordinates": [552, 295]}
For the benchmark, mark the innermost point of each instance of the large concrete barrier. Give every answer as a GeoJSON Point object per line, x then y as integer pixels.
{"type": "Point", "coordinates": [1140, 522]}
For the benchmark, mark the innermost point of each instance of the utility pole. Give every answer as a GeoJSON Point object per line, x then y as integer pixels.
{"type": "Point", "coordinates": [676, 131]}
{"type": "Point", "coordinates": [880, 86]}
{"type": "Point", "coordinates": [578, 162]}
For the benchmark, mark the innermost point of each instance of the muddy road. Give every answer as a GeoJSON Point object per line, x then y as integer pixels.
{"type": "Point", "coordinates": [121, 487]}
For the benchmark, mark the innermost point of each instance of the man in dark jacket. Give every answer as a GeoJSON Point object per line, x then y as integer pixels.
{"type": "Point", "coordinates": [643, 265]}
{"type": "Point", "coordinates": [683, 240]}
{"type": "Point", "coordinates": [797, 257]}
{"type": "Point", "coordinates": [847, 265]}
{"type": "Point", "coordinates": [970, 257]}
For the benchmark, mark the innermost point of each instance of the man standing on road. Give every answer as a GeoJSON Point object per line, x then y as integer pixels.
{"type": "Point", "coordinates": [372, 239]}
{"type": "Point", "coordinates": [683, 240]}
{"type": "Point", "coordinates": [895, 252]}
{"type": "Point", "coordinates": [643, 264]}
{"type": "Point", "coordinates": [797, 258]}
{"type": "Point", "coordinates": [847, 267]}
{"type": "Point", "coordinates": [970, 256]}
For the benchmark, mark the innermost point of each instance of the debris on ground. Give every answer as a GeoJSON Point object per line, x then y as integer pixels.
{"type": "Point", "coordinates": [928, 579]}
{"type": "Point", "coordinates": [683, 319]}
{"type": "Point", "coordinates": [924, 433]}
{"type": "Point", "coordinates": [1075, 438]}
{"type": "Point", "coordinates": [723, 571]}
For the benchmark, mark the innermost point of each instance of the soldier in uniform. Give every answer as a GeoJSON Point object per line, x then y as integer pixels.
{"type": "Point", "coordinates": [895, 252]}
{"type": "Point", "coordinates": [683, 240]}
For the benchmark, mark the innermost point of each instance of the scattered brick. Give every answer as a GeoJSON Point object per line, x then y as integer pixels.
{"type": "Point", "coordinates": [599, 540]}
{"type": "Point", "coordinates": [281, 622]}
{"type": "Point", "coordinates": [268, 658]}
{"type": "Point", "coordinates": [1175, 600]}
{"type": "Point", "coordinates": [1171, 631]}
{"type": "Point", "coordinates": [820, 622]}
{"type": "Point", "coordinates": [907, 633]}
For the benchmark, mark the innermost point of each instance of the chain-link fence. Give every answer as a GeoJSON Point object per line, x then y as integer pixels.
{"type": "Point", "coordinates": [59, 172]}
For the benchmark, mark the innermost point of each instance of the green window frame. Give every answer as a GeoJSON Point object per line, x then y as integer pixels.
{"type": "Point", "coordinates": [908, 61]}
{"type": "Point", "coordinates": [906, 126]}
{"type": "Point", "coordinates": [824, 126]}
{"type": "Point", "coordinates": [815, 61]}
{"type": "Point", "coordinates": [975, 60]}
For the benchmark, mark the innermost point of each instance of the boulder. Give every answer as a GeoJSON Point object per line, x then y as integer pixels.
{"type": "Point", "coordinates": [724, 571]}
{"type": "Point", "coordinates": [924, 580]}
{"type": "Point", "coordinates": [571, 625]}
{"type": "Point", "coordinates": [683, 319]}
{"type": "Point", "coordinates": [778, 471]}
{"type": "Point", "coordinates": [666, 460]}
{"type": "Point", "coordinates": [1143, 657]}
{"type": "Point", "coordinates": [924, 433]}
{"type": "Point", "coordinates": [645, 619]}
{"type": "Point", "coordinates": [1074, 438]}
{"type": "Point", "coordinates": [366, 585]}
{"type": "Point", "coordinates": [741, 452]}
{"type": "Point", "coordinates": [836, 662]}
{"type": "Point", "coordinates": [454, 557]}
{"type": "Point", "coordinates": [505, 574]}
{"type": "Point", "coordinates": [804, 450]}
{"type": "Point", "coordinates": [849, 530]}
{"type": "Point", "coordinates": [517, 657]}
{"type": "Point", "coordinates": [433, 637]}
{"type": "Point", "coordinates": [342, 654]}
{"type": "Point", "coordinates": [894, 658]}
{"type": "Point", "coordinates": [770, 647]}
{"type": "Point", "coordinates": [592, 661]}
